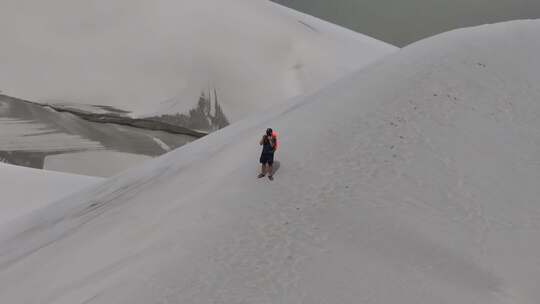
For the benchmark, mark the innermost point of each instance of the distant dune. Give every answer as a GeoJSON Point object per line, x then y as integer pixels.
{"type": "Point", "coordinates": [158, 57]}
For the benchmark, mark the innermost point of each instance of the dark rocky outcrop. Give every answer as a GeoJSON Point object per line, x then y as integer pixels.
{"type": "Point", "coordinates": [201, 117]}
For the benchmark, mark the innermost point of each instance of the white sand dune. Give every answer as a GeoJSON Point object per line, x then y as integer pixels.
{"type": "Point", "coordinates": [156, 57]}
{"type": "Point", "coordinates": [412, 181]}
{"type": "Point", "coordinates": [23, 190]}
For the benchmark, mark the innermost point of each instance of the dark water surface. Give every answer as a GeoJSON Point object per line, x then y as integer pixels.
{"type": "Point", "coordinates": [30, 133]}
{"type": "Point", "coordinates": [401, 22]}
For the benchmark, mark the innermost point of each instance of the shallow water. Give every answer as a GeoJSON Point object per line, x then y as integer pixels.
{"type": "Point", "coordinates": [401, 22]}
{"type": "Point", "coordinates": [104, 163]}
{"type": "Point", "coordinates": [31, 134]}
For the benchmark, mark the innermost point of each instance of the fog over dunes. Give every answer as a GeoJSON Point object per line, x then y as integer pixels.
{"type": "Point", "coordinates": [414, 180]}
{"type": "Point", "coordinates": [157, 57]}
{"type": "Point", "coordinates": [185, 67]}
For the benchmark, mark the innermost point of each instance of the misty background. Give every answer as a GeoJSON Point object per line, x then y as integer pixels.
{"type": "Point", "coordinates": [157, 57]}
{"type": "Point", "coordinates": [182, 62]}
{"type": "Point", "coordinates": [401, 22]}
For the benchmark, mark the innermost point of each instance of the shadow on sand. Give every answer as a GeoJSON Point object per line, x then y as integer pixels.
{"type": "Point", "coordinates": [275, 167]}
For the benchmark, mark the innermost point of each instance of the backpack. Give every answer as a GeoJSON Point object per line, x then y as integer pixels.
{"type": "Point", "coordinates": [275, 138]}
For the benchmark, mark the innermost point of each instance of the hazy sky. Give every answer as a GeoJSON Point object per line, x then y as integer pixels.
{"type": "Point", "coordinates": [401, 22]}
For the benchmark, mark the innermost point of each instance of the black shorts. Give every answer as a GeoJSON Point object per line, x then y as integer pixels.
{"type": "Point", "coordinates": [267, 158]}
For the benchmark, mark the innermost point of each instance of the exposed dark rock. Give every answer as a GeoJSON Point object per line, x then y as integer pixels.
{"type": "Point", "coordinates": [198, 122]}
{"type": "Point", "coordinates": [199, 118]}
{"type": "Point", "coordinates": [117, 116]}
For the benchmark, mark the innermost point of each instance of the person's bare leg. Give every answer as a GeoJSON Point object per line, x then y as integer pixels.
{"type": "Point", "coordinates": [263, 171]}
{"type": "Point", "coordinates": [270, 172]}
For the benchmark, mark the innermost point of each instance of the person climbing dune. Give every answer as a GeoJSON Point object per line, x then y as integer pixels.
{"type": "Point", "coordinates": [269, 146]}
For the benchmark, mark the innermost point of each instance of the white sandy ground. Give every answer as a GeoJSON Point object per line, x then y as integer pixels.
{"type": "Point", "coordinates": [23, 190]}
{"type": "Point", "coordinates": [154, 57]}
{"type": "Point", "coordinates": [412, 181]}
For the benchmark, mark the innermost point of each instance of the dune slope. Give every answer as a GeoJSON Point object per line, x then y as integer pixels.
{"type": "Point", "coordinates": [412, 181]}
{"type": "Point", "coordinates": [24, 190]}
